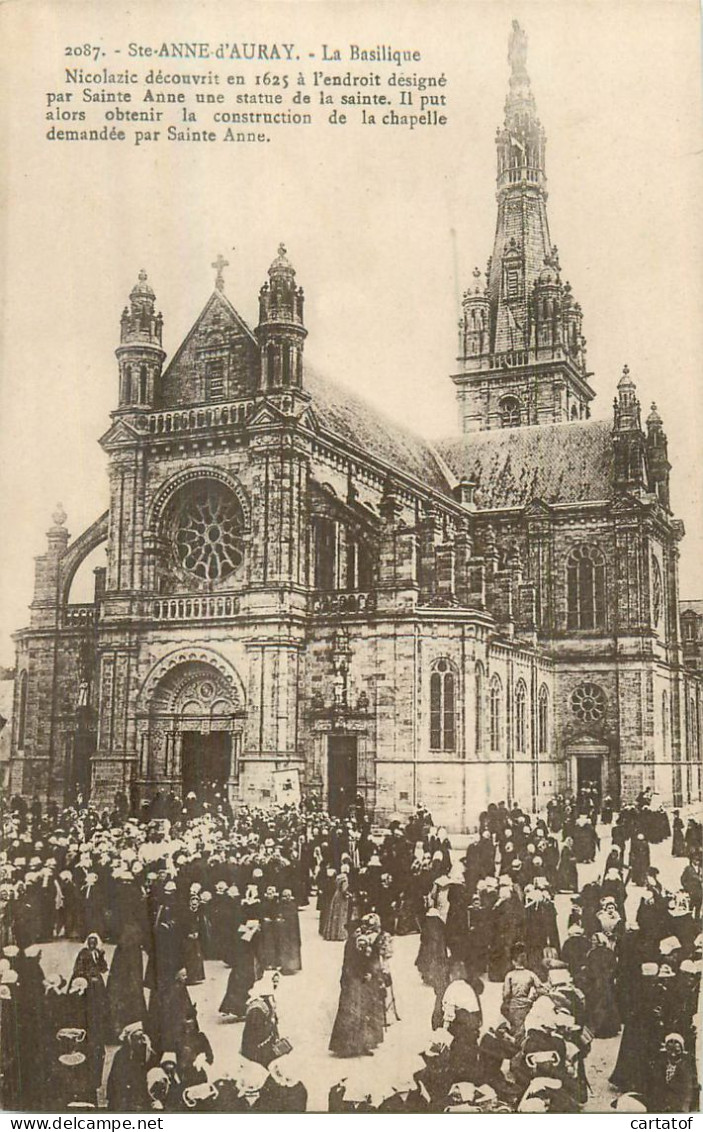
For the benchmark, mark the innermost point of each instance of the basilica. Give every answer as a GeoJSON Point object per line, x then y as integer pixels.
{"type": "Point", "coordinates": [302, 597]}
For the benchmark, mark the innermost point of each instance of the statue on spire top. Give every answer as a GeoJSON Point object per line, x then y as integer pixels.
{"type": "Point", "coordinates": [517, 49]}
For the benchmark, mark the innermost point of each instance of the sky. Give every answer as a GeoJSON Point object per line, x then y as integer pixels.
{"type": "Point", "coordinates": [383, 226]}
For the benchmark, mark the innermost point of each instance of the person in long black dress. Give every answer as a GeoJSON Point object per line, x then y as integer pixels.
{"type": "Point", "coordinates": [261, 1036]}
{"type": "Point", "coordinates": [246, 970]}
{"type": "Point", "coordinates": [192, 947]}
{"type": "Point", "coordinates": [678, 839]}
{"type": "Point", "coordinates": [599, 988]}
{"type": "Point", "coordinates": [356, 1026]}
{"type": "Point", "coordinates": [125, 981]}
{"type": "Point", "coordinates": [288, 933]}
{"type": "Point", "coordinates": [127, 1082]}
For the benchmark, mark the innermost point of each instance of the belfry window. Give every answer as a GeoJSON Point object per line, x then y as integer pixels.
{"type": "Point", "coordinates": [510, 415]}
{"type": "Point", "coordinates": [585, 585]}
{"type": "Point", "coordinates": [442, 708]}
{"type": "Point", "coordinates": [143, 382]}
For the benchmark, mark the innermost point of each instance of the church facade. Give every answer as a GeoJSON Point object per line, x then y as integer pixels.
{"type": "Point", "coordinates": [299, 591]}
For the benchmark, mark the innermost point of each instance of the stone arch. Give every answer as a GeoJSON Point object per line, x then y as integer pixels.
{"type": "Point", "coordinates": [165, 674]}
{"type": "Point", "coordinates": [173, 485]}
{"type": "Point", "coordinates": [79, 550]}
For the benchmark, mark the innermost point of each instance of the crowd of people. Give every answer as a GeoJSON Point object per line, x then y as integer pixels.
{"type": "Point", "coordinates": [174, 886]}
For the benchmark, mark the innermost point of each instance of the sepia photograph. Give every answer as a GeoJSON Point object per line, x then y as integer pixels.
{"type": "Point", "coordinates": [351, 664]}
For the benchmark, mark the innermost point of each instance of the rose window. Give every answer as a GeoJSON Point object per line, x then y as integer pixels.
{"type": "Point", "coordinates": [208, 532]}
{"type": "Point", "coordinates": [588, 702]}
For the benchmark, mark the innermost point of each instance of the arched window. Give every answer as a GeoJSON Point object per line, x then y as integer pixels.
{"type": "Point", "coordinates": [510, 415]}
{"type": "Point", "coordinates": [285, 377]}
{"type": "Point", "coordinates": [495, 713]}
{"type": "Point", "coordinates": [126, 391]}
{"type": "Point", "coordinates": [22, 711]}
{"type": "Point", "coordinates": [442, 708]}
{"type": "Point", "coordinates": [521, 717]}
{"type": "Point", "coordinates": [142, 385]}
{"type": "Point", "coordinates": [543, 721]}
{"type": "Point", "coordinates": [479, 707]}
{"type": "Point", "coordinates": [585, 585]}
{"type": "Point", "coordinates": [270, 363]}
{"type": "Point", "coordinates": [692, 730]}
{"type": "Point", "coordinates": [325, 548]}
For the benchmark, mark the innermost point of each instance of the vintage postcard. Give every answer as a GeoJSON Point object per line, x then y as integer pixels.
{"type": "Point", "coordinates": [352, 614]}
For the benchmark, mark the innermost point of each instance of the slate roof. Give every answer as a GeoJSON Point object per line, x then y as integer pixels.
{"type": "Point", "coordinates": [559, 463]}
{"type": "Point", "coordinates": [350, 419]}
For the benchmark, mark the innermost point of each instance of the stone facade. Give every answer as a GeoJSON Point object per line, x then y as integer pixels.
{"type": "Point", "coordinates": [294, 585]}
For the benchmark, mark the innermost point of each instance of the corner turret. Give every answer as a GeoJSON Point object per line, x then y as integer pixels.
{"type": "Point", "coordinates": [281, 331]}
{"type": "Point", "coordinates": [139, 354]}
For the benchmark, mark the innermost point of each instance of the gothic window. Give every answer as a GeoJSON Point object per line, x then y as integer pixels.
{"type": "Point", "coordinates": [689, 629]}
{"type": "Point", "coordinates": [216, 379]}
{"type": "Point", "coordinates": [22, 711]}
{"type": "Point", "coordinates": [479, 707]}
{"type": "Point", "coordinates": [521, 718]}
{"type": "Point", "coordinates": [442, 708]}
{"type": "Point", "coordinates": [207, 527]}
{"type": "Point", "coordinates": [588, 702]}
{"type": "Point", "coordinates": [657, 591]}
{"type": "Point", "coordinates": [495, 713]}
{"type": "Point", "coordinates": [510, 415]}
{"type": "Point", "coordinates": [298, 367]}
{"type": "Point", "coordinates": [286, 365]}
{"type": "Point", "coordinates": [665, 724]}
{"type": "Point", "coordinates": [585, 583]}
{"type": "Point", "coordinates": [126, 392]}
{"type": "Point", "coordinates": [142, 385]}
{"type": "Point", "coordinates": [543, 721]}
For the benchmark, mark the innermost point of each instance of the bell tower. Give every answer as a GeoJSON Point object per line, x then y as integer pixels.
{"type": "Point", "coordinates": [521, 351]}
{"type": "Point", "coordinates": [139, 354]}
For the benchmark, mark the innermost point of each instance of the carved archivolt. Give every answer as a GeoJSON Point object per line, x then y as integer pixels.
{"type": "Point", "coordinates": [188, 677]}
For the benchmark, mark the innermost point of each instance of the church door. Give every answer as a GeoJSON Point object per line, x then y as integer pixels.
{"type": "Point", "coordinates": [205, 762]}
{"type": "Point", "coordinates": [341, 773]}
{"type": "Point", "coordinates": [589, 773]}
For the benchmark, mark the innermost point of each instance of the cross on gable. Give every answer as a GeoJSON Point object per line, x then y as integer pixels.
{"type": "Point", "coordinates": [219, 265]}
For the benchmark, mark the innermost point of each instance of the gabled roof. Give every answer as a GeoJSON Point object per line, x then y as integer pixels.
{"type": "Point", "coordinates": [348, 418]}
{"type": "Point", "coordinates": [559, 463]}
{"type": "Point", "coordinates": [694, 606]}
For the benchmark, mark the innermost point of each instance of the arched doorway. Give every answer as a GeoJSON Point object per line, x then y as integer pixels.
{"type": "Point", "coordinates": [190, 739]}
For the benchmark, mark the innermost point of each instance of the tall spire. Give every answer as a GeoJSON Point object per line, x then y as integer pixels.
{"type": "Point", "coordinates": [527, 316]}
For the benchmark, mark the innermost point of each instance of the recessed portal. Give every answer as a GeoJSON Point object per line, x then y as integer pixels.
{"type": "Point", "coordinates": [341, 773]}
{"type": "Point", "coordinates": [206, 763]}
